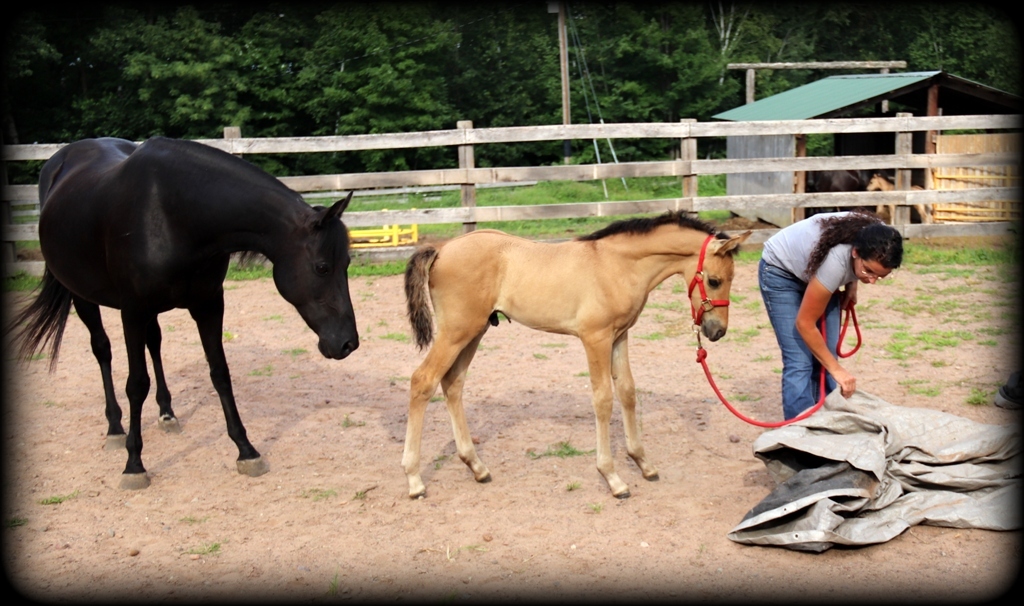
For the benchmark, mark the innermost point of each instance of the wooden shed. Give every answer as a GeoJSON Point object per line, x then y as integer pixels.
{"type": "Point", "coordinates": [931, 93]}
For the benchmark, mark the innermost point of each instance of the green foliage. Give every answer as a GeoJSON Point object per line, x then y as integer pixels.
{"type": "Point", "coordinates": [360, 68]}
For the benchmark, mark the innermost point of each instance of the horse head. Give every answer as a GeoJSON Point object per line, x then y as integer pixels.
{"type": "Point", "coordinates": [313, 276]}
{"type": "Point", "coordinates": [878, 182]}
{"type": "Point", "coordinates": [712, 280]}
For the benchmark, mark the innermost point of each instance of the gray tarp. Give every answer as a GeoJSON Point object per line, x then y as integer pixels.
{"type": "Point", "coordinates": [861, 471]}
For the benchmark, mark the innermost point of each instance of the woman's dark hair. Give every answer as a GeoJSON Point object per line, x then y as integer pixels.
{"type": "Point", "coordinates": [871, 238]}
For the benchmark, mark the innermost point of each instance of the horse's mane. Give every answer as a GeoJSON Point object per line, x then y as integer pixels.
{"type": "Point", "coordinates": [643, 225]}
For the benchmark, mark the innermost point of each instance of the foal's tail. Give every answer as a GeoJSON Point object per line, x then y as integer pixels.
{"type": "Point", "coordinates": [417, 297]}
{"type": "Point", "coordinates": [42, 322]}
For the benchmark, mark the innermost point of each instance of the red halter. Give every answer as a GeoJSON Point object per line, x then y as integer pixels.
{"type": "Point", "coordinates": [706, 304]}
{"type": "Point", "coordinates": [702, 354]}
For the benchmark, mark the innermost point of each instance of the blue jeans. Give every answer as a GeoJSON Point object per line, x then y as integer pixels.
{"type": "Point", "coordinates": [782, 293]}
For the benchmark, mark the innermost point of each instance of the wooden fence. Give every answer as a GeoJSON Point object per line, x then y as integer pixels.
{"type": "Point", "coordinates": [686, 167]}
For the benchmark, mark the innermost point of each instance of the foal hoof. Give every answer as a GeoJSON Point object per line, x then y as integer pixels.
{"type": "Point", "coordinates": [115, 442]}
{"type": "Point", "coordinates": [252, 467]}
{"type": "Point", "coordinates": [134, 481]}
{"type": "Point", "coordinates": [419, 495]}
{"type": "Point", "coordinates": [622, 495]}
{"type": "Point", "coordinates": [169, 424]}
{"type": "Point", "coordinates": [485, 479]}
{"type": "Point", "coordinates": [654, 477]}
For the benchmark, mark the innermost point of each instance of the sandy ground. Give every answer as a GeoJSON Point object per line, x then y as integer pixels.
{"type": "Point", "coordinates": [331, 520]}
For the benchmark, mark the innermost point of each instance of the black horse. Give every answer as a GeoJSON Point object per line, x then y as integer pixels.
{"type": "Point", "coordinates": [151, 227]}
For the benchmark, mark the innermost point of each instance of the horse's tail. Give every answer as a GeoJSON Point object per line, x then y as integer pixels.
{"type": "Point", "coordinates": [417, 276]}
{"type": "Point", "coordinates": [42, 322]}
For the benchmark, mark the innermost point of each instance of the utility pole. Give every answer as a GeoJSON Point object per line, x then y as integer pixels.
{"type": "Point", "coordinates": [563, 54]}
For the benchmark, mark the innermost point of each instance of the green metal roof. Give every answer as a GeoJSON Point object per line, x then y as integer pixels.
{"type": "Point", "coordinates": [824, 96]}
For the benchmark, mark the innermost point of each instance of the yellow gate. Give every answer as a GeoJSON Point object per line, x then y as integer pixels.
{"type": "Point", "coordinates": [389, 235]}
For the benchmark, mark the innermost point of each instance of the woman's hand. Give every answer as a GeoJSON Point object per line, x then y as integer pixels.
{"type": "Point", "coordinates": [847, 382]}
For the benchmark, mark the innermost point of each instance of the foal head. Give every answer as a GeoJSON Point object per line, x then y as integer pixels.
{"type": "Point", "coordinates": [711, 282]}
{"type": "Point", "coordinates": [707, 263]}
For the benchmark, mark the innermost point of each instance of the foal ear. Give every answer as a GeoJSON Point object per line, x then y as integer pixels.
{"type": "Point", "coordinates": [334, 211]}
{"type": "Point", "coordinates": [730, 245]}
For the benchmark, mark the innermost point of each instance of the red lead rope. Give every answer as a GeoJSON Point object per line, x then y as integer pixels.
{"type": "Point", "coordinates": [702, 354]}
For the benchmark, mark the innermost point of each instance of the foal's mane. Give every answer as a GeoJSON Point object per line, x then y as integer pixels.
{"type": "Point", "coordinates": [643, 225]}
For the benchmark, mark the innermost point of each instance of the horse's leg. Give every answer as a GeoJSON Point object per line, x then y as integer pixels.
{"type": "Point", "coordinates": [154, 338]}
{"type": "Point", "coordinates": [422, 385]}
{"type": "Point", "coordinates": [625, 389]}
{"type": "Point", "coordinates": [89, 313]}
{"type": "Point", "coordinates": [599, 362]}
{"type": "Point", "coordinates": [452, 384]}
{"type": "Point", "coordinates": [210, 320]}
{"type": "Point", "coordinates": [134, 476]}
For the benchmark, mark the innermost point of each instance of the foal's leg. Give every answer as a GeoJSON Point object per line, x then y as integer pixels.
{"type": "Point", "coordinates": [89, 313]}
{"type": "Point", "coordinates": [599, 356]}
{"type": "Point", "coordinates": [625, 389]}
{"type": "Point", "coordinates": [134, 476]}
{"type": "Point", "coordinates": [210, 320]}
{"type": "Point", "coordinates": [168, 422]}
{"type": "Point", "coordinates": [422, 385]}
{"type": "Point", "coordinates": [452, 383]}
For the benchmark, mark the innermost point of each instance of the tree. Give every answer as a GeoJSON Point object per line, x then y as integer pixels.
{"type": "Point", "coordinates": [381, 69]}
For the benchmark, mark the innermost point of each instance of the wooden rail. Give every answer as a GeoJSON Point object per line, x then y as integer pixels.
{"type": "Point", "coordinates": [687, 167]}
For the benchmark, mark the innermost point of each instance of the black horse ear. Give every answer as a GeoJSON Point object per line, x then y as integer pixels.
{"type": "Point", "coordinates": [335, 210]}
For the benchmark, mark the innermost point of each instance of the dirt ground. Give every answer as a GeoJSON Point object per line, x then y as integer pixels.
{"type": "Point", "coordinates": [332, 521]}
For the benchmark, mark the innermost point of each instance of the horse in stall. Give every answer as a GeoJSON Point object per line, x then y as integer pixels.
{"type": "Point", "coordinates": [151, 227]}
{"type": "Point", "coordinates": [593, 287]}
{"type": "Point", "coordinates": [879, 182]}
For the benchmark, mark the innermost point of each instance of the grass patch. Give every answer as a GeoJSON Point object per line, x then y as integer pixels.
{"type": "Point", "coordinates": [58, 499]}
{"type": "Point", "coordinates": [295, 352]}
{"type": "Point", "coordinates": [346, 422]}
{"type": "Point", "coordinates": [921, 387]}
{"type": "Point", "coordinates": [318, 494]}
{"type": "Point", "coordinates": [980, 397]}
{"type": "Point", "coordinates": [266, 371]}
{"type": "Point", "coordinates": [194, 520]}
{"type": "Point", "coordinates": [904, 345]}
{"type": "Point", "coordinates": [561, 450]}
{"type": "Point", "coordinates": [396, 336]}
{"type": "Point", "coordinates": [571, 486]}
{"type": "Point", "coordinates": [15, 522]}
{"type": "Point", "coordinates": [209, 549]}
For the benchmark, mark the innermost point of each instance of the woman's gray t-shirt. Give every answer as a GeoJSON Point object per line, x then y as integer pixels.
{"type": "Point", "coordinates": [791, 249]}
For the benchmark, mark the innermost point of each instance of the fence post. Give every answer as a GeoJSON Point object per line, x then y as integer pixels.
{"type": "Point", "coordinates": [687, 154]}
{"type": "Point", "coordinates": [233, 132]}
{"type": "Point", "coordinates": [466, 161]}
{"type": "Point", "coordinates": [799, 213]}
{"type": "Point", "coordinates": [6, 218]}
{"type": "Point", "coordinates": [904, 147]}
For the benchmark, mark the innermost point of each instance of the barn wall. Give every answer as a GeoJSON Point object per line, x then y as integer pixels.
{"type": "Point", "coordinates": [762, 146]}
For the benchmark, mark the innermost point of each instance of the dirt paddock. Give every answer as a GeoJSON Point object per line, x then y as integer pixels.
{"type": "Point", "coordinates": [331, 520]}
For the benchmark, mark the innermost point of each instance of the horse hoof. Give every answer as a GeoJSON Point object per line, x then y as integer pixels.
{"type": "Point", "coordinates": [134, 481]}
{"type": "Point", "coordinates": [252, 467]}
{"type": "Point", "coordinates": [485, 479]}
{"type": "Point", "coordinates": [115, 442]}
{"type": "Point", "coordinates": [169, 424]}
{"type": "Point", "coordinates": [654, 477]}
{"type": "Point", "coordinates": [418, 495]}
{"type": "Point", "coordinates": [622, 495]}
